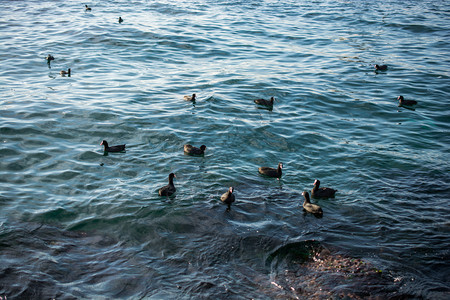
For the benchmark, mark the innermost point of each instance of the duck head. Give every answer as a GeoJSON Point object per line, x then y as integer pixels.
{"type": "Point", "coordinates": [306, 195]}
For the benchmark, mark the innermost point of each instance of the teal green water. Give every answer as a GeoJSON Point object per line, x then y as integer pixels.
{"type": "Point", "coordinates": [75, 223]}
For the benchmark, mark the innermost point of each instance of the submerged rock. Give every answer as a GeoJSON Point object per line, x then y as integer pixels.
{"type": "Point", "coordinates": [307, 270]}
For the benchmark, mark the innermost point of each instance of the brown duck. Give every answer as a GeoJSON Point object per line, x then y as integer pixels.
{"type": "Point", "coordinates": [190, 98]}
{"type": "Point", "coordinates": [228, 197]}
{"type": "Point", "coordinates": [271, 172]}
{"type": "Point", "coordinates": [64, 73]}
{"type": "Point", "coordinates": [309, 207]}
{"type": "Point", "coordinates": [169, 189]}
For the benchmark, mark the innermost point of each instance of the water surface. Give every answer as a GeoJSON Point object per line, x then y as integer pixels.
{"type": "Point", "coordinates": [75, 223]}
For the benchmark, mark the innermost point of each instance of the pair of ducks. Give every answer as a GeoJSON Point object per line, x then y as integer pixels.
{"type": "Point", "coordinates": [89, 9]}
{"type": "Point", "coordinates": [49, 58]}
{"type": "Point", "coordinates": [263, 102]}
{"type": "Point", "coordinates": [168, 190]}
{"type": "Point", "coordinates": [188, 149]}
{"type": "Point", "coordinates": [401, 101]}
{"type": "Point", "coordinates": [317, 192]}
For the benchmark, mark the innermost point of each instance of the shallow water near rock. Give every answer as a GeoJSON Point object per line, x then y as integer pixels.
{"type": "Point", "coordinates": [78, 224]}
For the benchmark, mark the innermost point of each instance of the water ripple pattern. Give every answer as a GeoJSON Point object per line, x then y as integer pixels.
{"type": "Point", "coordinates": [78, 223]}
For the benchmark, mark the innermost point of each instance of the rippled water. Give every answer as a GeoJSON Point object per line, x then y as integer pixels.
{"type": "Point", "coordinates": [75, 223]}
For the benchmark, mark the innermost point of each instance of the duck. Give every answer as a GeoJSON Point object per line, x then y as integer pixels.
{"type": "Point", "coordinates": [190, 98]}
{"type": "Point", "coordinates": [323, 192]}
{"type": "Point", "coordinates": [64, 73]}
{"type": "Point", "coordinates": [49, 58]}
{"type": "Point", "coordinates": [271, 172]}
{"type": "Point", "coordinates": [381, 67]}
{"type": "Point", "coordinates": [120, 20]}
{"type": "Point", "coordinates": [118, 148]}
{"type": "Point", "coordinates": [169, 189]}
{"type": "Point", "coordinates": [265, 102]}
{"type": "Point", "coordinates": [228, 197]}
{"type": "Point", "coordinates": [87, 8]}
{"type": "Point", "coordinates": [403, 102]}
{"type": "Point", "coordinates": [309, 207]}
{"type": "Point", "coordinates": [191, 150]}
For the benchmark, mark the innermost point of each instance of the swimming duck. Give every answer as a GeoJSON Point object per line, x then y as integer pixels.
{"type": "Point", "coordinates": [265, 102]}
{"type": "Point", "coordinates": [322, 192]}
{"type": "Point", "coordinates": [120, 20]}
{"type": "Point", "coordinates": [87, 7]}
{"type": "Point", "coordinates": [403, 102]}
{"type": "Point", "coordinates": [309, 207]}
{"type": "Point", "coordinates": [191, 150]}
{"type": "Point", "coordinates": [381, 68]}
{"type": "Point", "coordinates": [49, 58]}
{"type": "Point", "coordinates": [117, 148]}
{"type": "Point", "coordinates": [190, 98]}
{"type": "Point", "coordinates": [64, 73]}
{"type": "Point", "coordinates": [228, 197]}
{"type": "Point", "coordinates": [169, 189]}
{"type": "Point", "coordinates": [271, 172]}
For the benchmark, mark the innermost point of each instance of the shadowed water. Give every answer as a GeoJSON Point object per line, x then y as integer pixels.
{"type": "Point", "coordinates": [75, 223]}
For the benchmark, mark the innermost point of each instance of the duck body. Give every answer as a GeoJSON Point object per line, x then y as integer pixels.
{"type": "Point", "coordinates": [322, 192]}
{"type": "Point", "coordinates": [87, 8]}
{"type": "Point", "coordinates": [309, 207]}
{"type": "Point", "coordinates": [381, 67]}
{"type": "Point", "coordinates": [191, 150]}
{"type": "Point", "coordinates": [168, 190]}
{"type": "Point", "coordinates": [265, 102]}
{"type": "Point", "coordinates": [49, 58]}
{"type": "Point", "coordinates": [403, 102]}
{"type": "Point", "coordinates": [120, 20]}
{"type": "Point", "coordinates": [190, 98]}
{"type": "Point", "coordinates": [64, 73]}
{"type": "Point", "coordinates": [271, 172]}
{"type": "Point", "coordinates": [228, 197]}
{"type": "Point", "coordinates": [117, 148]}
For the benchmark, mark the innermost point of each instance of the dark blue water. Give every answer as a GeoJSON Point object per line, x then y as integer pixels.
{"type": "Point", "coordinates": [75, 223]}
